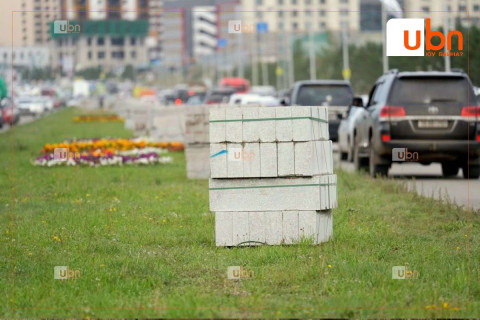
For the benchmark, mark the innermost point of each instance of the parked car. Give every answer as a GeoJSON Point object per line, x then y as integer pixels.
{"type": "Point", "coordinates": [337, 95]}
{"type": "Point", "coordinates": [30, 105]}
{"type": "Point", "coordinates": [346, 129]}
{"type": "Point", "coordinates": [9, 115]}
{"type": "Point", "coordinates": [433, 114]}
{"type": "Point", "coordinates": [249, 98]}
{"type": "Point", "coordinates": [48, 102]}
{"type": "Point", "coordinates": [218, 95]}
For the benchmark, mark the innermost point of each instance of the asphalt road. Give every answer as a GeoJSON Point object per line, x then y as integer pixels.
{"type": "Point", "coordinates": [428, 181]}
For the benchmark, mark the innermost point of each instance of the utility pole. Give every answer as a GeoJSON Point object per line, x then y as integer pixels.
{"type": "Point", "coordinates": [346, 64]}
{"type": "Point", "coordinates": [446, 27]}
{"type": "Point", "coordinates": [384, 38]}
{"type": "Point", "coordinates": [311, 49]}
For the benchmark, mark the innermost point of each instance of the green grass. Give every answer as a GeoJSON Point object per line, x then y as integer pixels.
{"type": "Point", "coordinates": [143, 241]}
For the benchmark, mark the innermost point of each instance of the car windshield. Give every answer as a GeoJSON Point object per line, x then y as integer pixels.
{"type": "Point", "coordinates": [324, 95]}
{"type": "Point", "coordinates": [430, 90]}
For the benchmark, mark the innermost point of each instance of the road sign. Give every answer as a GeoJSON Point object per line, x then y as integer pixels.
{"type": "Point", "coordinates": [346, 73]}
{"type": "Point", "coordinates": [262, 27]}
{"type": "Point", "coordinates": [221, 42]}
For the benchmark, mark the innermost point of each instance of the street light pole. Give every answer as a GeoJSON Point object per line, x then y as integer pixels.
{"type": "Point", "coordinates": [384, 39]}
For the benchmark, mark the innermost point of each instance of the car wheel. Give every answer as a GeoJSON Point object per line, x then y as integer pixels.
{"type": "Point", "coordinates": [376, 169]}
{"type": "Point", "coordinates": [450, 169]}
{"type": "Point", "coordinates": [471, 171]}
{"type": "Point", "coordinates": [358, 162]}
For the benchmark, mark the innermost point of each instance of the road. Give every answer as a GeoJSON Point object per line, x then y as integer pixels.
{"type": "Point", "coordinates": [23, 119]}
{"type": "Point", "coordinates": [428, 181]}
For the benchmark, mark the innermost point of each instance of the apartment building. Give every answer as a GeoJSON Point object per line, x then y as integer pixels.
{"type": "Point", "coordinates": [111, 34]}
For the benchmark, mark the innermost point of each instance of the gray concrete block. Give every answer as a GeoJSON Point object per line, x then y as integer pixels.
{"type": "Point", "coordinates": [268, 160]}
{"type": "Point", "coordinates": [223, 229]}
{"type": "Point", "coordinates": [283, 128]}
{"type": "Point", "coordinates": [251, 165]}
{"type": "Point", "coordinates": [218, 163]}
{"type": "Point", "coordinates": [303, 128]}
{"type": "Point", "coordinates": [266, 128]}
{"type": "Point", "coordinates": [257, 226]}
{"type": "Point", "coordinates": [233, 129]}
{"type": "Point", "coordinates": [250, 129]}
{"type": "Point", "coordinates": [307, 222]}
{"type": "Point", "coordinates": [271, 194]}
{"type": "Point", "coordinates": [240, 227]}
{"type": "Point", "coordinates": [217, 129]}
{"type": "Point", "coordinates": [198, 162]}
{"type": "Point", "coordinates": [286, 159]}
{"type": "Point", "coordinates": [273, 227]}
{"type": "Point", "coordinates": [234, 160]}
{"type": "Point", "coordinates": [290, 226]}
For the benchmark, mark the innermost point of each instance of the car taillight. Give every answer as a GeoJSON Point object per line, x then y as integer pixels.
{"type": "Point", "coordinates": [386, 137]}
{"type": "Point", "coordinates": [478, 137]}
{"type": "Point", "coordinates": [392, 111]}
{"type": "Point", "coordinates": [471, 111]}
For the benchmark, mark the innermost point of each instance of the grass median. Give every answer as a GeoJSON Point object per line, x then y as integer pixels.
{"type": "Point", "coordinates": [142, 241]}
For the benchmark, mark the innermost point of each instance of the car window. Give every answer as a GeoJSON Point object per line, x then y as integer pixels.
{"type": "Point", "coordinates": [324, 95]}
{"type": "Point", "coordinates": [377, 93]}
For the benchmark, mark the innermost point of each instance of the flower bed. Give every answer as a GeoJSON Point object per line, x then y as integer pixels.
{"type": "Point", "coordinates": [109, 152]}
{"type": "Point", "coordinates": [98, 118]}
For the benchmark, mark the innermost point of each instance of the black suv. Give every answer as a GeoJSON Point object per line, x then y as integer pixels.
{"type": "Point", "coordinates": [433, 115]}
{"type": "Point", "coordinates": [336, 95]}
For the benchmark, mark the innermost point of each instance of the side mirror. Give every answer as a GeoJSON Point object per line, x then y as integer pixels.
{"type": "Point", "coordinates": [357, 102]}
{"type": "Point", "coordinates": [285, 101]}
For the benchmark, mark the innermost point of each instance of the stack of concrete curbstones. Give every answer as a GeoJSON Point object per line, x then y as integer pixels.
{"type": "Point", "coordinates": [272, 178]}
{"type": "Point", "coordinates": [197, 147]}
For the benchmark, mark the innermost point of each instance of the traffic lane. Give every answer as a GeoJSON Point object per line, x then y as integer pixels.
{"type": "Point", "coordinates": [427, 180]}
{"type": "Point", "coordinates": [23, 119]}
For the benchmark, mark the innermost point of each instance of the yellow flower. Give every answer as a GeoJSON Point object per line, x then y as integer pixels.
{"type": "Point", "coordinates": [88, 194]}
{"type": "Point", "coordinates": [445, 305]}
{"type": "Point", "coordinates": [330, 266]}
{"type": "Point", "coordinates": [6, 231]}
{"type": "Point", "coordinates": [102, 265]}
{"type": "Point", "coordinates": [30, 253]}
{"type": "Point", "coordinates": [164, 221]}
{"type": "Point", "coordinates": [458, 248]}
{"type": "Point", "coordinates": [43, 221]}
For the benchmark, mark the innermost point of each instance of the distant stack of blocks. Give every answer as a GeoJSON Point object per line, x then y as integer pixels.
{"type": "Point", "coordinates": [272, 178]}
{"type": "Point", "coordinates": [197, 148]}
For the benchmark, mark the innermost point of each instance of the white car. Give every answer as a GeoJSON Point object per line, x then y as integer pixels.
{"type": "Point", "coordinates": [249, 98]}
{"type": "Point", "coordinates": [47, 102]}
{"type": "Point", "coordinates": [346, 130]}
{"type": "Point", "coordinates": [30, 105]}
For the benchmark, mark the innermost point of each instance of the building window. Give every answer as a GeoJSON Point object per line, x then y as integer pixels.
{"type": "Point", "coordinates": [322, 13]}
{"type": "Point", "coordinates": [89, 54]}
{"type": "Point", "coordinates": [344, 12]}
{"type": "Point", "coordinates": [117, 41]}
{"type": "Point", "coordinates": [133, 41]}
{"type": "Point", "coordinates": [308, 13]}
{"type": "Point", "coordinates": [426, 9]}
{"type": "Point", "coordinates": [294, 26]}
{"type": "Point", "coordinates": [259, 2]}
{"type": "Point", "coordinates": [280, 14]}
{"type": "Point", "coordinates": [133, 54]}
{"type": "Point", "coordinates": [280, 26]}
{"type": "Point", "coordinates": [117, 55]}
{"type": "Point", "coordinates": [322, 25]}
{"type": "Point", "coordinates": [101, 55]}
{"type": "Point", "coordinates": [280, 2]}
{"type": "Point", "coordinates": [462, 7]}
{"type": "Point", "coordinates": [308, 1]}
{"type": "Point", "coordinates": [343, 1]}
{"type": "Point", "coordinates": [321, 1]}
{"type": "Point", "coordinates": [294, 1]}
{"type": "Point", "coordinates": [294, 13]}
{"type": "Point", "coordinates": [259, 14]}
{"type": "Point", "coordinates": [476, 7]}
{"type": "Point", "coordinates": [100, 41]}
{"type": "Point", "coordinates": [89, 41]}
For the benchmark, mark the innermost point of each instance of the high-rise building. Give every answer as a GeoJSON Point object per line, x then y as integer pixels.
{"type": "Point", "coordinates": [30, 21]}
{"type": "Point", "coordinates": [204, 30]}
{"type": "Point", "coordinates": [107, 33]}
